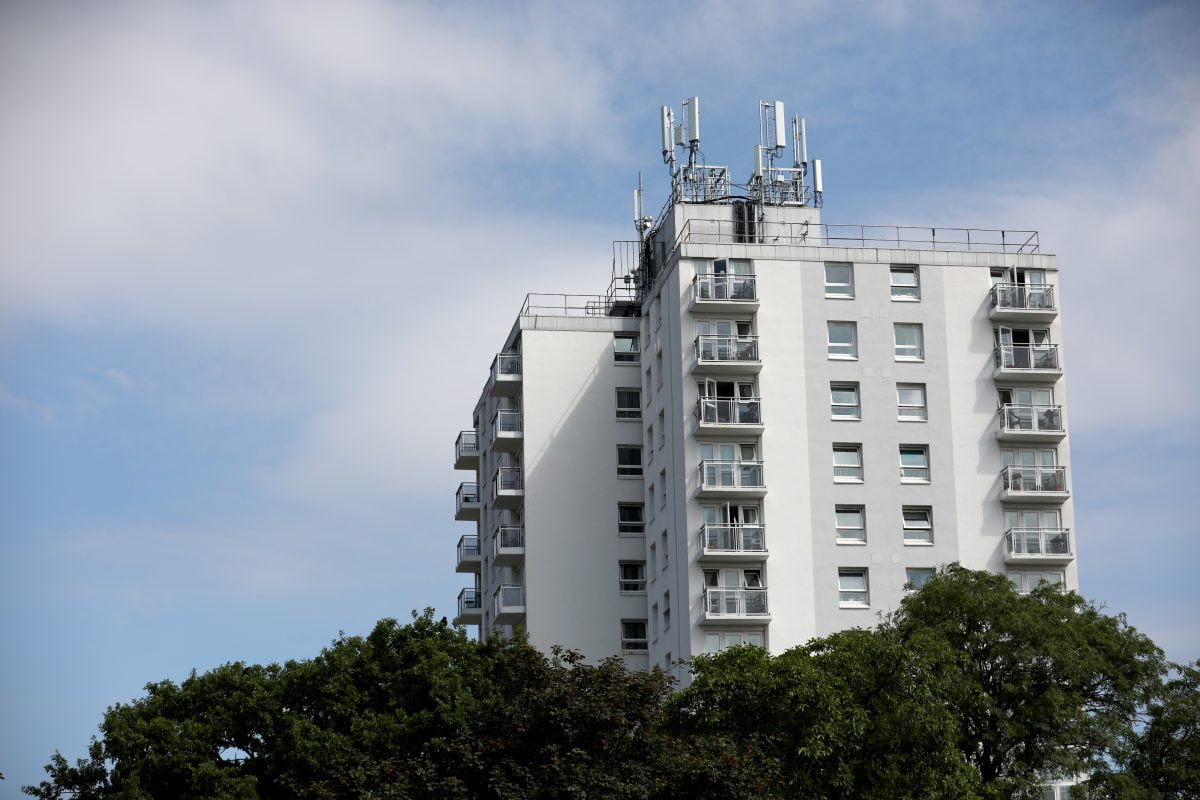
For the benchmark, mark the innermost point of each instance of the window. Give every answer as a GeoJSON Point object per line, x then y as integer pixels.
{"type": "Point", "coordinates": [662, 489]}
{"type": "Point", "coordinates": [851, 522]}
{"type": "Point", "coordinates": [662, 428]}
{"type": "Point", "coordinates": [633, 635]}
{"type": "Point", "coordinates": [914, 464]}
{"type": "Point", "coordinates": [843, 340]}
{"type": "Point", "coordinates": [918, 524]}
{"type": "Point", "coordinates": [839, 280]}
{"type": "Point", "coordinates": [658, 367]}
{"type": "Point", "coordinates": [629, 461]}
{"type": "Point", "coordinates": [906, 283]}
{"type": "Point", "coordinates": [716, 642]}
{"type": "Point", "coordinates": [627, 348]}
{"type": "Point", "coordinates": [844, 402]}
{"type": "Point", "coordinates": [910, 401]}
{"type": "Point", "coordinates": [649, 443]}
{"type": "Point", "coordinates": [852, 588]}
{"type": "Point", "coordinates": [633, 576]}
{"type": "Point", "coordinates": [910, 342]}
{"type": "Point", "coordinates": [1026, 582]}
{"type": "Point", "coordinates": [629, 403]}
{"type": "Point", "coordinates": [666, 607]}
{"type": "Point", "coordinates": [631, 519]}
{"type": "Point", "coordinates": [915, 577]}
{"type": "Point", "coordinates": [847, 463]}
{"type": "Point", "coordinates": [665, 552]}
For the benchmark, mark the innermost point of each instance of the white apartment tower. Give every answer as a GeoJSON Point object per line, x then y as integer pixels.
{"type": "Point", "coordinates": [769, 428]}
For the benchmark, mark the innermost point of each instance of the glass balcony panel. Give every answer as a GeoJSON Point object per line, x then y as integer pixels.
{"type": "Point", "coordinates": [735, 538]}
{"type": "Point", "coordinates": [713, 347]}
{"type": "Point", "coordinates": [732, 474]}
{"type": "Point", "coordinates": [735, 602]}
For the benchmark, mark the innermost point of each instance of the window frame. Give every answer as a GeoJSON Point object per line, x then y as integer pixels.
{"type": "Point", "coordinates": [909, 584]}
{"type": "Point", "coordinates": [907, 294]}
{"type": "Point", "coordinates": [627, 470]}
{"type": "Point", "coordinates": [838, 528]}
{"type": "Point", "coordinates": [900, 415]}
{"type": "Point", "coordinates": [834, 405]}
{"type": "Point", "coordinates": [627, 413]}
{"type": "Point", "coordinates": [832, 288]}
{"type": "Point", "coordinates": [852, 353]}
{"type": "Point", "coordinates": [913, 352]}
{"type": "Point", "coordinates": [1023, 586]}
{"type": "Point", "coordinates": [923, 449]}
{"type": "Point", "coordinates": [630, 641]}
{"type": "Point", "coordinates": [627, 357]}
{"type": "Point", "coordinates": [633, 584]}
{"type": "Point", "coordinates": [625, 526]}
{"type": "Point", "coordinates": [846, 572]}
{"type": "Point", "coordinates": [926, 540]}
{"type": "Point", "coordinates": [846, 447]}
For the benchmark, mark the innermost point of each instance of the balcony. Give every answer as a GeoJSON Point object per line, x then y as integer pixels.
{"type": "Point", "coordinates": [466, 501]}
{"type": "Point", "coordinates": [726, 415]}
{"type": "Point", "coordinates": [508, 546]}
{"type": "Point", "coordinates": [727, 354]}
{"type": "Point", "coordinates": [1023, 302]}
{"type": "Point", "coordinates": [1037, 546]}
{"type": "Point", "coordinates": [731, 479]}
{"type": "Point", "coordinates": [468, 554]}
{"type": "Point", "coordinates": [733, 542]}
{"type": "Point", "coordinates": [1030, 424]}
{"type": "Point", "coordinates": [1034, 484]}
{"type": "Point", "coordinates": [508, 430]}
{"type": "Point", "coordinates": [506, 375]}
{"type": "Point", "coordinates": [508, 605]}
{"type": "Point", "coordinates": [740, 606]}
{"type": "Point", "coordinates": [508, 487]}
{"type": "Point", "coordinates": [470, 611]}
{"type": "Point", "coordinates": [1026, 362]}
{"type": "Point", "coordinates": [721, 291]}
{"type": "Point", "coordinates": [466, 450]}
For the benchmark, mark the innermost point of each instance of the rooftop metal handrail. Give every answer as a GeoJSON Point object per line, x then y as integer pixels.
{"type": "Point", "coordinates": [508, 479]}
{"type": "Point", "coordinates": [725, 286]}
{"type": "Point", "coordinates": [1033, 479]}
{"type": "Point", "coordinates": [1030, 417]}
{"type": "Point", "coordinates": [892, 237]}
{"type": "Point", "coordinates": [1038, 541]}
{"type": "Point", "coordinates": [729, 410]}
{"type": "Point", "coordinates": [580, 305]}
{"type": "Point", "coordinates": [467, 493]}
{"type": "Point", "coordinates": [1027, 296]}
{"type": "Point", "coordinates": [1026, 356]}
{"type": "Point", "coordinates": [738, 538]}
{"type": "Point", "coordinates": [719, 347]}
{"type": "Point", "coordinates": [735, 602]}
{"type": "Point", "coordinates": [731, 474]}
{"type": "Point", "coordinates": [468, 545]}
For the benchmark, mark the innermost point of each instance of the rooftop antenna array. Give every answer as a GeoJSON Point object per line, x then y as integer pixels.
{"type": "Point", "coordinates": [694, 182]}
{"type": "Point", "coordinates": [777, 185]}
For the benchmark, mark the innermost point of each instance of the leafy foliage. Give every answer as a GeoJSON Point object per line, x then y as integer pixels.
{"type": "Point", "coordinates": [968, 691]}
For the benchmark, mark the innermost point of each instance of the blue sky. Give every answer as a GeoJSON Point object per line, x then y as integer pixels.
{"type": "Point", "coordinates": [255, 258]}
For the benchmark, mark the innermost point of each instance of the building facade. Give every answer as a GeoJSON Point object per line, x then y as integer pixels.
{"type": "Point", "coordinates": [768, 429]}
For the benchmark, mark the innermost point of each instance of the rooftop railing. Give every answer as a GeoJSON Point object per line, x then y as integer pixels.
{"type": "Point", "coordinates": [892, 237]}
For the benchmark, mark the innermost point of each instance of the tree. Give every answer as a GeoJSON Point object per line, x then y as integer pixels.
{"type": "Point", "coordinates": [1039, 684]}
{"type": "Point", "coordinates": [1160, 758]}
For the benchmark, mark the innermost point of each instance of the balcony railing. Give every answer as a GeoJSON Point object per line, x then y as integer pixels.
{"type": "Point", "coordinates": [1034, 480]}
{"type": "Point", "coordinates": [466, 449]}
{"type": "Point", "coordinates": [1036, 543]}
{"type": "Point", "coordinates": [507, 422]}
{"type": "Point", "coordinates": [733, 538]}
{"type": "Point", "coordinates": [726, 349]}
{"type": "Point", "coordinates": [731, 474]}
{"type": "Point", "coordinates": [468, 602]}
{"type": "Point", "coordinates": [508, 479]}
{"type": "Point", "coordinates": [506, 364]}
{"type": "Point", "coordinates": [747, 602]}
{"type": "Point", "coordinates": [724, 286]}
{"type": "Point", "coordinates": [508, 599]}
{"type": "Point", "coordinates": [467, 494]}
{"type": "Point", "coordinates": [729, 411]}
{"type": "Point", "coordinates": [508, 541]}
{"type": "Point", "coordinates": [468, 547]}
{"type": "Point", "coordinates": [1023, 297]}
{"type": "Point", "coordinates": [1027, 356]}
{"type": "Point", "coordinates": [1031, 419]}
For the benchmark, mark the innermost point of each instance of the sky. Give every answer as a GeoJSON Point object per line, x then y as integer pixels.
{"type": "Point", "coordinates": [255, 259]}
